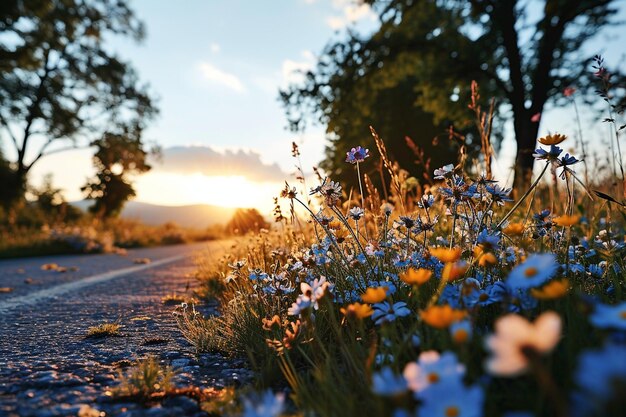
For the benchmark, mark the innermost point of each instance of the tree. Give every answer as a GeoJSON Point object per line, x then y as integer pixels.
{"type": "Point", "coordinates": [60, 86]}
{"type": "Point", "coordinates": [521, 53]}
{"type": "Point", "coordinates": [245, 221]}
{"type": "Point", "coordinates": [119, 156]}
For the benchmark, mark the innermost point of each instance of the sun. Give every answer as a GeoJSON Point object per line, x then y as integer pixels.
{"type": "Point", "coordinates": [225, 191]}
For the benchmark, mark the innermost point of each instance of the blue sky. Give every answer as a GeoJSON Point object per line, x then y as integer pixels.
{"type": "Point", "coordinates": [216, 67]}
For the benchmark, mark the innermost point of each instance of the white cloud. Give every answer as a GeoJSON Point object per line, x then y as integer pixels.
{"type": "Point", "coordinates": [350, 12]}
{"type": "Point", "coordinates": [292, 72]}
{"type": "Point", "coordinates": [215, 47]}
{"type": "Point", "coordinates": [218, 76]}
{"type": "Point", "coordinates": [210, 161]}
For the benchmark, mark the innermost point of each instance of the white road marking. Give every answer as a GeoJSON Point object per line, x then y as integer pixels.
{"type": "Point", "coordinates": [57, 290]}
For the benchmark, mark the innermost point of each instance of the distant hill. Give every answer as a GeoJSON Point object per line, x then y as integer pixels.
{"type": "Point", "coordinates": [197, 215]}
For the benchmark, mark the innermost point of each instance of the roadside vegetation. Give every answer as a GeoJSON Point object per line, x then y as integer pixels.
{"type": "Point", "coordinates": [463, 298]}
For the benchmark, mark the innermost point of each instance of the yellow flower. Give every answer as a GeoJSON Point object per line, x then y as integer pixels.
{"type": "Point", "coordinates": [566, 221]}
{"type": "Point", "coordinates": [446, 255]}
{"type": "Point", "coordinates": [554, 139]}
{"type": "Point", "coordinates": [514, 229]}
{"type": "Point", "coordinates": [485, 258]}
{"type": "Point", "coordinates": [554, 289]}
{"type": "Point", "coordinates": [374, 295]}
{"type": "Point", "coordinates": [414, 276]}
{"type": "Point", "coordinates": [358, 310]}
{"type": "Point", "coordinates": [441, 316]}
{"type": "Point", "coordinates": [454, 270]}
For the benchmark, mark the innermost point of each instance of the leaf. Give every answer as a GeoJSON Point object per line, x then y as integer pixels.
{"type": "Point", "coordinates": [608, 197]}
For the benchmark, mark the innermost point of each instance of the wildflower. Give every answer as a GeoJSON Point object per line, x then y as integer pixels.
{"type": "Point", "coordinates": [356, 155]}
{"type": "Point", "coordinates": [414, 276]}
{"type": "Point", "coordinates": [446, 255]}
{"type": "Point", "coordinates": [599, 374]}
{"type": "Point", "coordinates": [454, 270]}
{"type": "Point", "coordinates": [315, 291]}
{"type": "Point", "coordinates": [550, 155]}
{"type": "Point", "coordinates": [609, 316]}
{"type": "Point", "coordinates": [461, 331]}
{"type": "Point", "coordinates": [270, 324]}
{"type": "Point", "coordinates": [454, 400]}
{"type": "Point", "coordinates": [265, 405]}
{"type": "Point", "coordinates": [357, 310]}
{"type": "Point", "coordinates": [537, 269]}
{"type": "Point", "coordinates": [499, 195]}
{"type": "Point", "coordinates": [569, 91]}
{"type": "Point", "coordinates": [517, 340]}
{"type": "Point", "coordinates": [554, 289]}
{"type": "Point", "coordinates": [302, 304]}
{"type": "Point", "coordinates": [564, 162]}
{"type": "Point", "coordinates": [331, 192]}
{"type": "Point", "coordinates": [291, 334]}
{"type": "Point", "coordinates": [289, 193]}
{"type": "Point", "coordinates": [386, 209]}
{"type": "Point", "coordinates": [485, 257]}
{"type": "Point", "coordinates": [444, 172]}
{"type": "Point", "coordinates": [441, 316]}
{"type": "Point", "coordinates": [374, 295]}
{"type": "Point", "coordinates": [513, 229]}
{"type": "Point", "coordinates": [387, 383]}
{"type": "Point", "coordinates": [554, 139]}
{"type": "Point", "coordinates": [431, 369]}
{"type": "Point", "coordinates": [386, 312]}
{"type": "Point", "coordinates": [407, 221]}
{"type": "Point", "coordinates": [426, 201]}
{"type": "Point", "coordinates": [356, 213]}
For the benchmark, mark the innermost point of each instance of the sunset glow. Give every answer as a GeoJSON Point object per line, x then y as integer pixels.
{"type": "Point", "coordinates": [224, 191]}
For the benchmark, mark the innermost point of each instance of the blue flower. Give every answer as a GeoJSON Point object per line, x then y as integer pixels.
{"type": "Point", "coordinates": [387, 383]}
{"type": "Point", "coordinates": [461, 331]}
{"type": "Point", "coordinates": [550, 155]}
{"type": "Point", "coordinates": [385, 312]}
{"type": "Point", "coordinates": [537, 269]}
{"type": "Point", "coordinates": [356, 155]}
{"type": "Point", "coordinates": [499, 195]}
{"type": "Point", "coordinates": [609, 317]}
{"type": "Point", "coordinates": [433, 369]}
{"type": "Point", "coordinates": [265, 405]}
{"type": "Point", "coordinates": [453, 400]}
{"type": "Point", "coordinates": [598, 371]}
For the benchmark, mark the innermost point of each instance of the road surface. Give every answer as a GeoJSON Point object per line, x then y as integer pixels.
{"type": "Point", "coordinates": [47, 365]}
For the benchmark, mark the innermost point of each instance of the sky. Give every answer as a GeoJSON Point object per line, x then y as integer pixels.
{"type": "Point", "coordinates": [216, 67]}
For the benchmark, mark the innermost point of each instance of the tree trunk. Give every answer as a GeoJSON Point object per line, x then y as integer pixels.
{"type": "Point", "coordinates": [526, 138]}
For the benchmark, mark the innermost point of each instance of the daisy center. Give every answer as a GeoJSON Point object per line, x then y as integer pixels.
{"type": "Point", "coordinates": [623, 315]}
{"type": "Point", "coordinates": [461, 336]}
{"type": "Point", "coordinates": [433, 377]}
{"type": "Point", "coordinates": [483, 297]}
{"type": "Point", "coordinates": [530, 272]}
{"type": "Point", "coordinates": [452, 411]}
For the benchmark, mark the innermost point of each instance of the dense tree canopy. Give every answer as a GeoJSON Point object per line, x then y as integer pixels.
{"type": "Point", "coordinates": [60, 86]}
{"type": "Point", "coordinates": [521, 53]}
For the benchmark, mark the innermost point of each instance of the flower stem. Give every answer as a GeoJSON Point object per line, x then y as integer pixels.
{"type": "Point", "coordinates": [521, 200]}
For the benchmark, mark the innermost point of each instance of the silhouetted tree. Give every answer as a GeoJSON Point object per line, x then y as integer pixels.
{"type": "Point", "coordinates": [119, 157]}
{"type": "Point", "coordinates": [245, 221]}
{"type": "Point", "coordinates": [60, 86]}
{"type": "Point", "coordinates": [522, 53]}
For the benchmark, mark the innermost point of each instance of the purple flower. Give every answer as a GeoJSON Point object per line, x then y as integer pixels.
{"type": "Point", "coordinates": [356, 155]}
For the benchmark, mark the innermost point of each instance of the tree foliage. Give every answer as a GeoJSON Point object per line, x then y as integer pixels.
{"type": "Point", "coordinates": [118, 158]}
{"type": "Point", "coordinates": [245, 221]}
{"type": "Point", "coordinates": [521, 53]}
{"type": "Point", "coordinates": [60, 86]}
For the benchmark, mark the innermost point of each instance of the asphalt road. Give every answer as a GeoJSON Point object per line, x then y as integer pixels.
{"type": "Point", "coordinates": [47, 365]}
